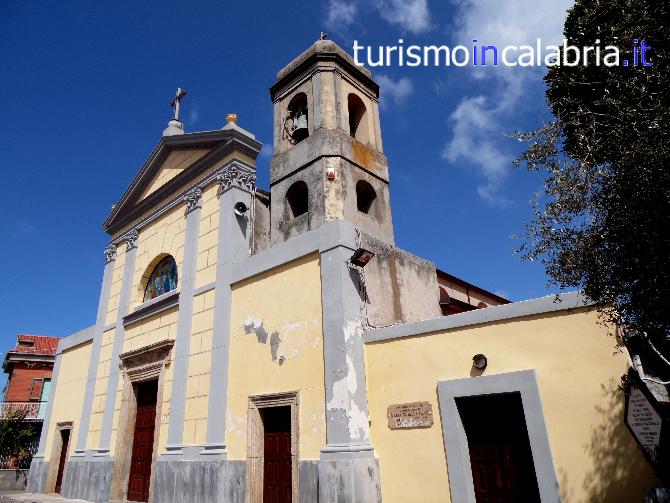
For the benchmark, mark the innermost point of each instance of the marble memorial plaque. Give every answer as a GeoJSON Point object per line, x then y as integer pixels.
{"type": "Point", "coordinates": [644, 421]}
{"type": "Point", "coordinates": [410, 415]}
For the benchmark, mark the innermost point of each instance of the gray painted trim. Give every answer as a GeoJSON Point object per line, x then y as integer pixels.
{"type": "Point", "coordinates": [204, 288]}
{"type": "Point", "coordinates": [330, 235]}
{"type": "Point", "coordinates": [183, 453]}
{"type": "Point", "coordinates": [47, 414]}
{"type": "Point", "coordinates": [234, 240]}
{"type": "Point", "coordinates": [152, 307]}
{"type": "Point", "coordinates": [548, 304]}
{"type": "Point", "coordinates": [76, 339]}
{"type": "Point", "coordinates": [92, 375]}
{"type": "Point", "coordinates": [347, 433]}
{"type": "Point", "coordinates": [456, 442]}
{"type": "Point", "coordinates": [184, 322]}
{"type": "Point", "coordinates": [117, 347]}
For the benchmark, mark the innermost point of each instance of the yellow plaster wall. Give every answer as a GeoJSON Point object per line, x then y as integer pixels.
{"type": "Point", "coordinates": [164, 236]}
{"type": "Point", "coordinates": [100, 389]}
{"type": "Point", "coordinates": [294, 312]}
{"type": "Point", "coordinates": [199, 368]}
{"type": "Point", "coordinates": [176, 162]}
{"type": "Point", "coordinates": [578, 368]}
{"type": "Point", "coordinates": [208, 236]}
{"type": "Point", "coordinates": [69, 396]}
{"type": "Point", "coordinates": [115, 288]}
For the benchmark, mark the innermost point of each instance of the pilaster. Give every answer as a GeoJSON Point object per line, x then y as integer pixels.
{"type": "Point", "coordinates": [235, 186]}
{"type": "Point", "coordinates": [124, 306]}
{"type": "Point", "coordinates": [100, 321]}
{"type": "Point", "coordinates": [193, 200]}
{"type": "Point", "coordinates": [347, 430]}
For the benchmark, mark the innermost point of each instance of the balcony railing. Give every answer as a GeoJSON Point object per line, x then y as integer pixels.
{"type": "Point", "coordinates": [34, 411]}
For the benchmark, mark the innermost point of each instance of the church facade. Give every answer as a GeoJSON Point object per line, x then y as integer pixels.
{"type": "Point", "coordinates": [277, 346]}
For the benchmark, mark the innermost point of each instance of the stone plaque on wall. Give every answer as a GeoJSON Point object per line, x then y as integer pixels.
{"type": "Point", "coordinates": [643, 421]}
{"type": "Point", "coordinates": [410, 415]}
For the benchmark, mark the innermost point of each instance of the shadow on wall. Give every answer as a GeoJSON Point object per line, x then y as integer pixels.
{"type": "Point", "coordinates": [620, 472]}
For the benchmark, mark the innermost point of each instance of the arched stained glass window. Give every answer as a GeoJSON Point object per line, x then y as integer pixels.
{"type": "Point", "coordinates": [162, 280]}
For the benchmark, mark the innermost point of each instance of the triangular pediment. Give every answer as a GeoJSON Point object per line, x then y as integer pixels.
{"type": "Point", "coordinates": [174, 163]}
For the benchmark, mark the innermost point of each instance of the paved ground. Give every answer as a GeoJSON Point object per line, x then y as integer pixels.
{"type": "Point", "coordinates": [33, 498]}
{"type": "Point", "coordinates": [37, 498]}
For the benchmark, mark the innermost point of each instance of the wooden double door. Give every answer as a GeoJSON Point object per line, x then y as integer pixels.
{"type": "Point", "coordinates": [278, 463]}
{"type": "Point", "coordinates": [139, 481]}
{"type": "Point", "coordinates": [500, 455]}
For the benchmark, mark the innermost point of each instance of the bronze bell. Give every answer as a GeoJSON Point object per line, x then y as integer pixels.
{"type": "Point", "coordinates": [300, 125]}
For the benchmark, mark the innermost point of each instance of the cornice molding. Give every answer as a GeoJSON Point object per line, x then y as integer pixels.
{"type": "Point", "coordinates": [152, 307]}
{"type": "Point", "coordinates": [224, 142]}
{"type": "Point", "coordinates": [179, 198]}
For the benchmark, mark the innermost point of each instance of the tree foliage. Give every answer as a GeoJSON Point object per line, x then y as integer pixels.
{"type": "Point", "coordinates": [17, 439]}
{"type": "Point", "coordinates": [603, 221]}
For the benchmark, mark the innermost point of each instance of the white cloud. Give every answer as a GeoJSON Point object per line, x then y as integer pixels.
{"type": "Point", "coordinates": [193, 113]}
{"type": "Point", "coordinates": [391, 91]}
{"type": "Point", "coordinates": [411, 15]}
{"type": "Point", "coordinates": [479, 122]}
{"type": "Point", "coordinates": [22, 228]}
{"type": "Point", "coordinates": [341, 14]}
{"type": "Point", "coordinates": [266, 150]}
{"type": "Point", "coordinates": [474, 139]}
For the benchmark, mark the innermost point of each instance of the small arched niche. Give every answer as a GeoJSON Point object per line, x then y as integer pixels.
{"type": "Point", "coordinates": [365, 196]}
{"type": "Point", "coordinates": [297, 123]}
{"type": "Point", "coordinates": [358, 118]}
{"type": "Point", "coordinates": [297, 197]}
{"type": "Point", "coordinates": [162, 277]}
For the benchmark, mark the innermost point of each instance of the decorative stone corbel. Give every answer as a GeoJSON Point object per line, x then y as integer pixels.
{"type": "Point", "coordinates": [110, 253]}
{"type": "Point", "coordinates": [235, 177]}
{"type": "Point", "coordinates": [131, 239]}
{"type": "Point", "coordinates": [193, 199]}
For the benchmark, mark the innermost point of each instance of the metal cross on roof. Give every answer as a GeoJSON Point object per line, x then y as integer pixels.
{"type": "Point", "coordinates": [176, 101]}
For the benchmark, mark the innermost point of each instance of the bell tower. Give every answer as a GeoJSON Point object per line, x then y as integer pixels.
{"type": "Point", "coordinates": [328, 162]}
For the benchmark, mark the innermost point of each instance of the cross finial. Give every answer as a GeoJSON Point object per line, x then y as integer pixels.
{"type": "Point", "coordinates": [176, 101]}
{"type": "Point", "coordinates": [323, 36]}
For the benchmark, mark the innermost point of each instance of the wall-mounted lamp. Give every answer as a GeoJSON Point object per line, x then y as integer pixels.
{"type": "Point", "coordinates": [240, 209]}
{"type": "Point", "coordinates": [480, 361]}
{"type": "Point", "coordinates": [361, 257]}
{"type": "Point", "coordinates": [330, 173]}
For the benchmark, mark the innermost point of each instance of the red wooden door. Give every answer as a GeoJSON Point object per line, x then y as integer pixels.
{"type": "Point", "coordinates": [277, 486]}
{"type": "Point", "coordinates": [500, 457]}
{"type": "Point", "coordinates": [65, 437]}
{"type": "Point", "coordinates": [143, 442]}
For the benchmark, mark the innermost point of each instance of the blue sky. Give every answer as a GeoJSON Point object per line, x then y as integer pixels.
{"type": "Point", "coordinates": [84, 99]}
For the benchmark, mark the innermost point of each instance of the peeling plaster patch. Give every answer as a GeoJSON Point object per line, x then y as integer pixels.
{"type": "Point", "coordinates": [343, 399]}
{"type": "Point", "coordinates": [291, 326]}
{"type": "Point", "coordinates": [274, 344]}
{"type": "Point", "coordinates": [358, 422]}
{"type": "Point", "coordinates": [255, 326]}
{"type": "Point", "coordinates": [352, 328]}
{"type": "Point", "coordinates": [231, 423]}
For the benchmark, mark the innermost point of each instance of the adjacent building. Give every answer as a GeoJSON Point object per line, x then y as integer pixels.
{"type": "Point", "coordinates": [276, 345]}
{"type": "Point", "coordinates": [29, 367]}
